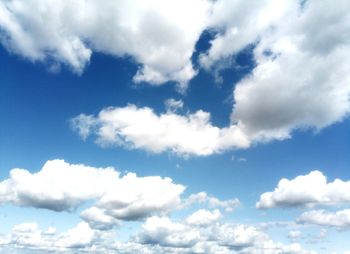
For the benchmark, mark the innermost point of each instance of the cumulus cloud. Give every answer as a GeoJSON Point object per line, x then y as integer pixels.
{"type": "Point", "coordinates": [306, 190]}
{"type": "Point", "coordinates": [305, 76]}
{"type": "Point", "coordinates": [159, 35]}
{"type": "Point", "coordinates": [214, 238]}
{"type": "Point", "coordinates": [203, 217]}
{"type": "Point", "coordinates": [166, 233]}
{"type": "Point", "coordinates": [240, 23]}
{"type": "Point", "coordinates": [300, 80]}
{"type": "Point", "coordinates": [28, 236]}
{"type": "Point", "coordinates": [60, 186]}
{"type": "Point", "coordinates": [157, 235]}
{"type": "Point", "coordinates": [201, 232]}
{"type": "Point", "coordinates": [339, 219]}
{"type": "Point", "coordinates": [212, 202]}
{"type": "Point", "coordinates": [142, 128]}
{"type": "Point", "coordinates": [98, 219]}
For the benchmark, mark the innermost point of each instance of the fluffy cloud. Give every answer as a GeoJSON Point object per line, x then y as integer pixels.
{"type": "Point", "coordinates": [203, 217]}
{"type": "Point", "coordinates": [300, 80]}
{"type": "Point", "coordinates": [214, 238]}
{"type": "Point", "coordinates": [61, 186]}
{"type": "Point", "coordinates": [240, 23]}
{"type": "Point", "coordinates": [142, 128]}
{"type": "Point", "coordinates": [166, 233]}
{"type": "Point", "coordinates": [98, 219]}
{"type": "Point", "coordinates": [212, 202]}
{"type": "Point", "coordinates": [28, 236]}
{"type": "Point", "coordinates": [339, 219]}
{"type": "Point", "coordinates": [288, 55]}
{"type": "Point", "coordinates": [159, 35]}
{"type": "Point", "coordinates": [306, 190]}
{"type": "Point", "coordinates": [157, 235]}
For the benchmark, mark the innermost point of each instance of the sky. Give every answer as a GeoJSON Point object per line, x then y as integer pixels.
{"type": "Point", "coordinates": [180, 127]}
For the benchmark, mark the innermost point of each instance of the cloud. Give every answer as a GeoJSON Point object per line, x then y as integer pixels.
{"type": "Point", "coordinates": [292, 52]}
{"type": "Point", "coordinates": [98, 219]}
{"type": "Point", "coordinates": [173, 105]}
{"type": "Point", "coordinates": [29, 236]}
{"type": "Point", "coordinates": [212, 202]}
{"type": "Point", "coordinates": [156, 235]}
{"type": "Point", "coordinates": [294, 235]}
{"type": "Point", "coordinates": [306, 190]}
{"type": "Point", "coordinates": [300, 80]}
{"type": "Point", "coordinates": [166, 233]}
{"type": "Point", "coordinates": [159, 36]}
{"type": "Point", "coordinates": [239, 24]}
{"type": "Point", "coordinates": [142, 128]}
{"type": "Point", "coordinates": [60, 186]}
{"type": "Point", "coordinates": [339, 219]}
{"type": "Point", "coordinates": [214, 238]}
{"type": "Point", "coordinates": [203, 217]}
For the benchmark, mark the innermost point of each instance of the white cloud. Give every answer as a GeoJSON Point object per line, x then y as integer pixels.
{"type": "Point", "coordinates": [302, 65]}
{"type": "Point", "coordinates": [173, 105]}
{"type": "Point", "coordinates": [204, 217]}
{"type": "Point", "coordinates": [306, 190]}
{"type": "Point", "coordinates": [240, 23]}
{"type": "Point", "coordinates": [29, 236]}
{"type": "Point", "coordinates": [142, 128]}
{"type": "Point", "coordinates": [339, 219]}
{"type": "Point", "coordinates": [215, 238]}
{"type": "Point", "coordinates": [159, 35]}
{"type": "Point", "coordinates": [164, 232]}
{"type": "Point", "coordinates": [294, 235]}
{"type": "Point", "coordinates": [80, 236]}
{"type": "Point", "coordinates": [239, 237]}
{"type": "Point", "coordinates": [300, 80]}
{"type": "Point", "coordinates": [212, 202]}
{"type": "Point", "coordinates": [98, 219]}
{"type": "Point", "coordinates": [157, 235]}
{"type": "Point", "coordinates": [61, 186]}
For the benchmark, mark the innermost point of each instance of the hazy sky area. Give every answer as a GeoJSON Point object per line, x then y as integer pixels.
{"type": "Point", "coordinates": [174, 126]}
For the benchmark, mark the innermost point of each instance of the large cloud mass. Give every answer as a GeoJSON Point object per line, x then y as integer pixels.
{"type": "Point", "coordinates": [69, 31]}
{"type": "Point", "coordinates": [60, 186]}
{"type": "Point", "coordinates": [157, 235]}
{"type": "Point", "coordinates": [301, 49]}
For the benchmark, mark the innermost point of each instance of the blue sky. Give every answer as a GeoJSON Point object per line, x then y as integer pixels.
{"type": "Point", "coordinates": [225, 106]}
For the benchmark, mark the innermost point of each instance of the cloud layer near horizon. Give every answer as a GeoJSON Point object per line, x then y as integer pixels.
{"type": "Point", "coordinates": [117, 199]}
{"type": "Point", "coordinates": [157, 235]}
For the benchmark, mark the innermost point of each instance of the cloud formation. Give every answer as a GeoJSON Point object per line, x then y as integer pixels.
{"type": "Point", "coordinates": [299, 80]}
{"type": "Point", "coordinates": [202, 198]}
{"type": "Point", "coordinates": [60, 186]}
{"type": "Point", "coordinates": [157, 235]}
{"type": "Point", "coordinates": [159, 35]}
{"type": "Point", "coordinates": [306, 190]}
{"type": "Point", "coordinates": [339, 219]}
{"type": "Point", "coordinates": [142, 128]}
